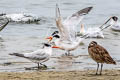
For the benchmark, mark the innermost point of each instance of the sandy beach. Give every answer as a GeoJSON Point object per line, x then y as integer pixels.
{"type": "Point", "coordinates": [61, 75]}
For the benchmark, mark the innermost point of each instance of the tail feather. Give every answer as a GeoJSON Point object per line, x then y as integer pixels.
{"type": "Point", "coordinates": [17, 54]}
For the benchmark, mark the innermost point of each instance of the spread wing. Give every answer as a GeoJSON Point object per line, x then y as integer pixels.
{"type": "Point", "coordinates": [62, 29]}
{"type": "Point", "coordinates": [72, 21]}
{"type": "Point", "coordinates": [3, 23]}
{"type": "Point", "coordinates": [67, 28]}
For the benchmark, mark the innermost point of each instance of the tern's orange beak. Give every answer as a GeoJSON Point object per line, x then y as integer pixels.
{"type": "Point", "coordinates": [50, 38]}
{"type": "Point", "coordinates": [55, 47]}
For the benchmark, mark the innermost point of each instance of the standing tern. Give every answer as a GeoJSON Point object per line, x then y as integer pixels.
{"type": "Point", "coordinates": [39, 56]}
{"type": "Point", "coordinates": [67, 30]}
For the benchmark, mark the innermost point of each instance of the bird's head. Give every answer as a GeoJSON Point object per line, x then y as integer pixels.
{"type": "Point", "coordinates": [56, 36]}
{"type": "Point", "coordinates": [46, 45]}
{"type": "Point", "coordinates": [114, 18]}
{"type": "Point", "coordinates": [93, 43]}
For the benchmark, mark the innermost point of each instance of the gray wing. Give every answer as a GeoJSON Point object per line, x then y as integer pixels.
{"type": "Point", "coordinates": [37, 55]}
{"type": "Point", "coordinates": [71, 22]}
{"type": "Point", "coordinates": [62, 29]}
{"type": "Point", "coordinates": [3, 23]}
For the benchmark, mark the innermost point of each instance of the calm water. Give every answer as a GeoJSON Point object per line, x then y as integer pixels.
{"type": "Point", "coordinates": [28, 37]}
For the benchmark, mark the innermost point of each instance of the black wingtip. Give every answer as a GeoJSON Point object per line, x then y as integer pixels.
{"type": "Point", "coordinates": [17, 54]}
{"type": "Point", "coordinates": [88, 9]}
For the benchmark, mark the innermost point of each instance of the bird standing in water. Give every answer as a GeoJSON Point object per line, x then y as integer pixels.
{"type": "Point", "coordinates": [39, 56]}
{"type": "Point", "coordinates": [100, 55]}
{"type": "Point", "coordinates": [67, 40]}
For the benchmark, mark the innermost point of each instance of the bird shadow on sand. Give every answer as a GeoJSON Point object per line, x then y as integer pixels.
{"type": "Point", "coordinates": [103, 74]}
{"type": "Point", "coordinates": [41, 68]}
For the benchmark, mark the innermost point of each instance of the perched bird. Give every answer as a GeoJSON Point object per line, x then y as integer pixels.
{"type": "Point", "coordinates": [67, 30]}
{"type": "Point", "coordinates": [100, 55]}
{"type": "Point", "coordinates": [39, 56]}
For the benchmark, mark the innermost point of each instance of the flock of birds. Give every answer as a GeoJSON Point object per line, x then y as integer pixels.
{"type": "Point", "coordinates": [68, 39]}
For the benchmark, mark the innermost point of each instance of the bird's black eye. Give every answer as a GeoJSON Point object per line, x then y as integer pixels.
{"type": "Point", "coordinates": [56, 32]}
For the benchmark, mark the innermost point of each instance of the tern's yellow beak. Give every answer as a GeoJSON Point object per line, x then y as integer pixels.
{"type": "Point", "coordinates": [49, 38]}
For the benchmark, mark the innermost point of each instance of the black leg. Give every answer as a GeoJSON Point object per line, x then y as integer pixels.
{"type": "Point", "coordinates": [101, 69]}
{"type": "Point", "coordinates": [66, 54]}
{"type": "Point", "coordinates": [43, 65]}
{"type": "Point", "coordinates": [97, 68]}
{"type": "Point", "coordinates": [38, 65]}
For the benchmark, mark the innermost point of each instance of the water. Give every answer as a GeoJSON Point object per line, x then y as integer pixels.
{"type": "Point", "coordinates": [28, 37]}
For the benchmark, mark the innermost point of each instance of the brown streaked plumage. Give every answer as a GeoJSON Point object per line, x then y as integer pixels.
{"type": "Point", "coordinates": [100, 55]}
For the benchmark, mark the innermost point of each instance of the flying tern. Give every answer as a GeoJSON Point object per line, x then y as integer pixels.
{"type": "Point", "coordinates": [68, 40]}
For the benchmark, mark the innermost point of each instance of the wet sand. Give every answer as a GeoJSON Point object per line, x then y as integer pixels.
{"type": "Point", "coordinates": [61, 75]}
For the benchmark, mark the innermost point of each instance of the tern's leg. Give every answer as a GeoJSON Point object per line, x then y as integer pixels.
{"type": "Point", "coordinates": [38, 66]}
{"type": "Point", "coordinates": [68, 53]}
{"type": "Point", "coordinates": [43, 65]}
{"type": "Point", "coordinates": [101, 69]}
{"type": "Point", "coordinates": [97, 68]}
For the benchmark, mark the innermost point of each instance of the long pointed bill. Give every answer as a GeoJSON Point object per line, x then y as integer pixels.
{"type": "Point", "coordinates": [105, 23]}
{"type": "Point", "coordinates": [55, 47]}
{"type": "Point", "coordinates": [105, 27]}
{"type": "Point", "coordinates": [49, 38]}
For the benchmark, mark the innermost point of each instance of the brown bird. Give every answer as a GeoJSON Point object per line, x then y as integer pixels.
{"type": "Point", "coordinates": [100, 55]}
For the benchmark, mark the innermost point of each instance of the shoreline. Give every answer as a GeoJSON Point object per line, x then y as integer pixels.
{"type": "Point", "coordinates": [61, 75]}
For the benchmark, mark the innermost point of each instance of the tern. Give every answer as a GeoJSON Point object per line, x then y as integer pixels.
{"type": "Point", "coordinates": [92, 32]}
{"type": "Point", "coordinates": [100, 55]}
{"type": "Point", "coordinates": [67, 34]}
{"type": "Point", "coordinates": [39, 56]}
{"type": "Point", "coordinates": [114, 24]}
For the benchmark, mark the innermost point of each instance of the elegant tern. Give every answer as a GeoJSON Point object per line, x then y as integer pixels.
{"type": "Point", "coordinates": [67, 30]}
{"type": "Point", "coordinates": [39, 56]}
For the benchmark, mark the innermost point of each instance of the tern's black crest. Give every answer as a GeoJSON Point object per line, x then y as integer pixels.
{"type": "Point", "coordinates": [56, 36]}
{"type": "Point", "coordinates": [47, 45]}
{"type": "Point", "coordinates": [56, 32]}
{"type": "Point", "coordinates": [115, 18]}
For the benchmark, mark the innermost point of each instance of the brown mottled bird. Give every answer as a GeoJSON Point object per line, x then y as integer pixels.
{"type": "Point", "coordinates": [100, 55]}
